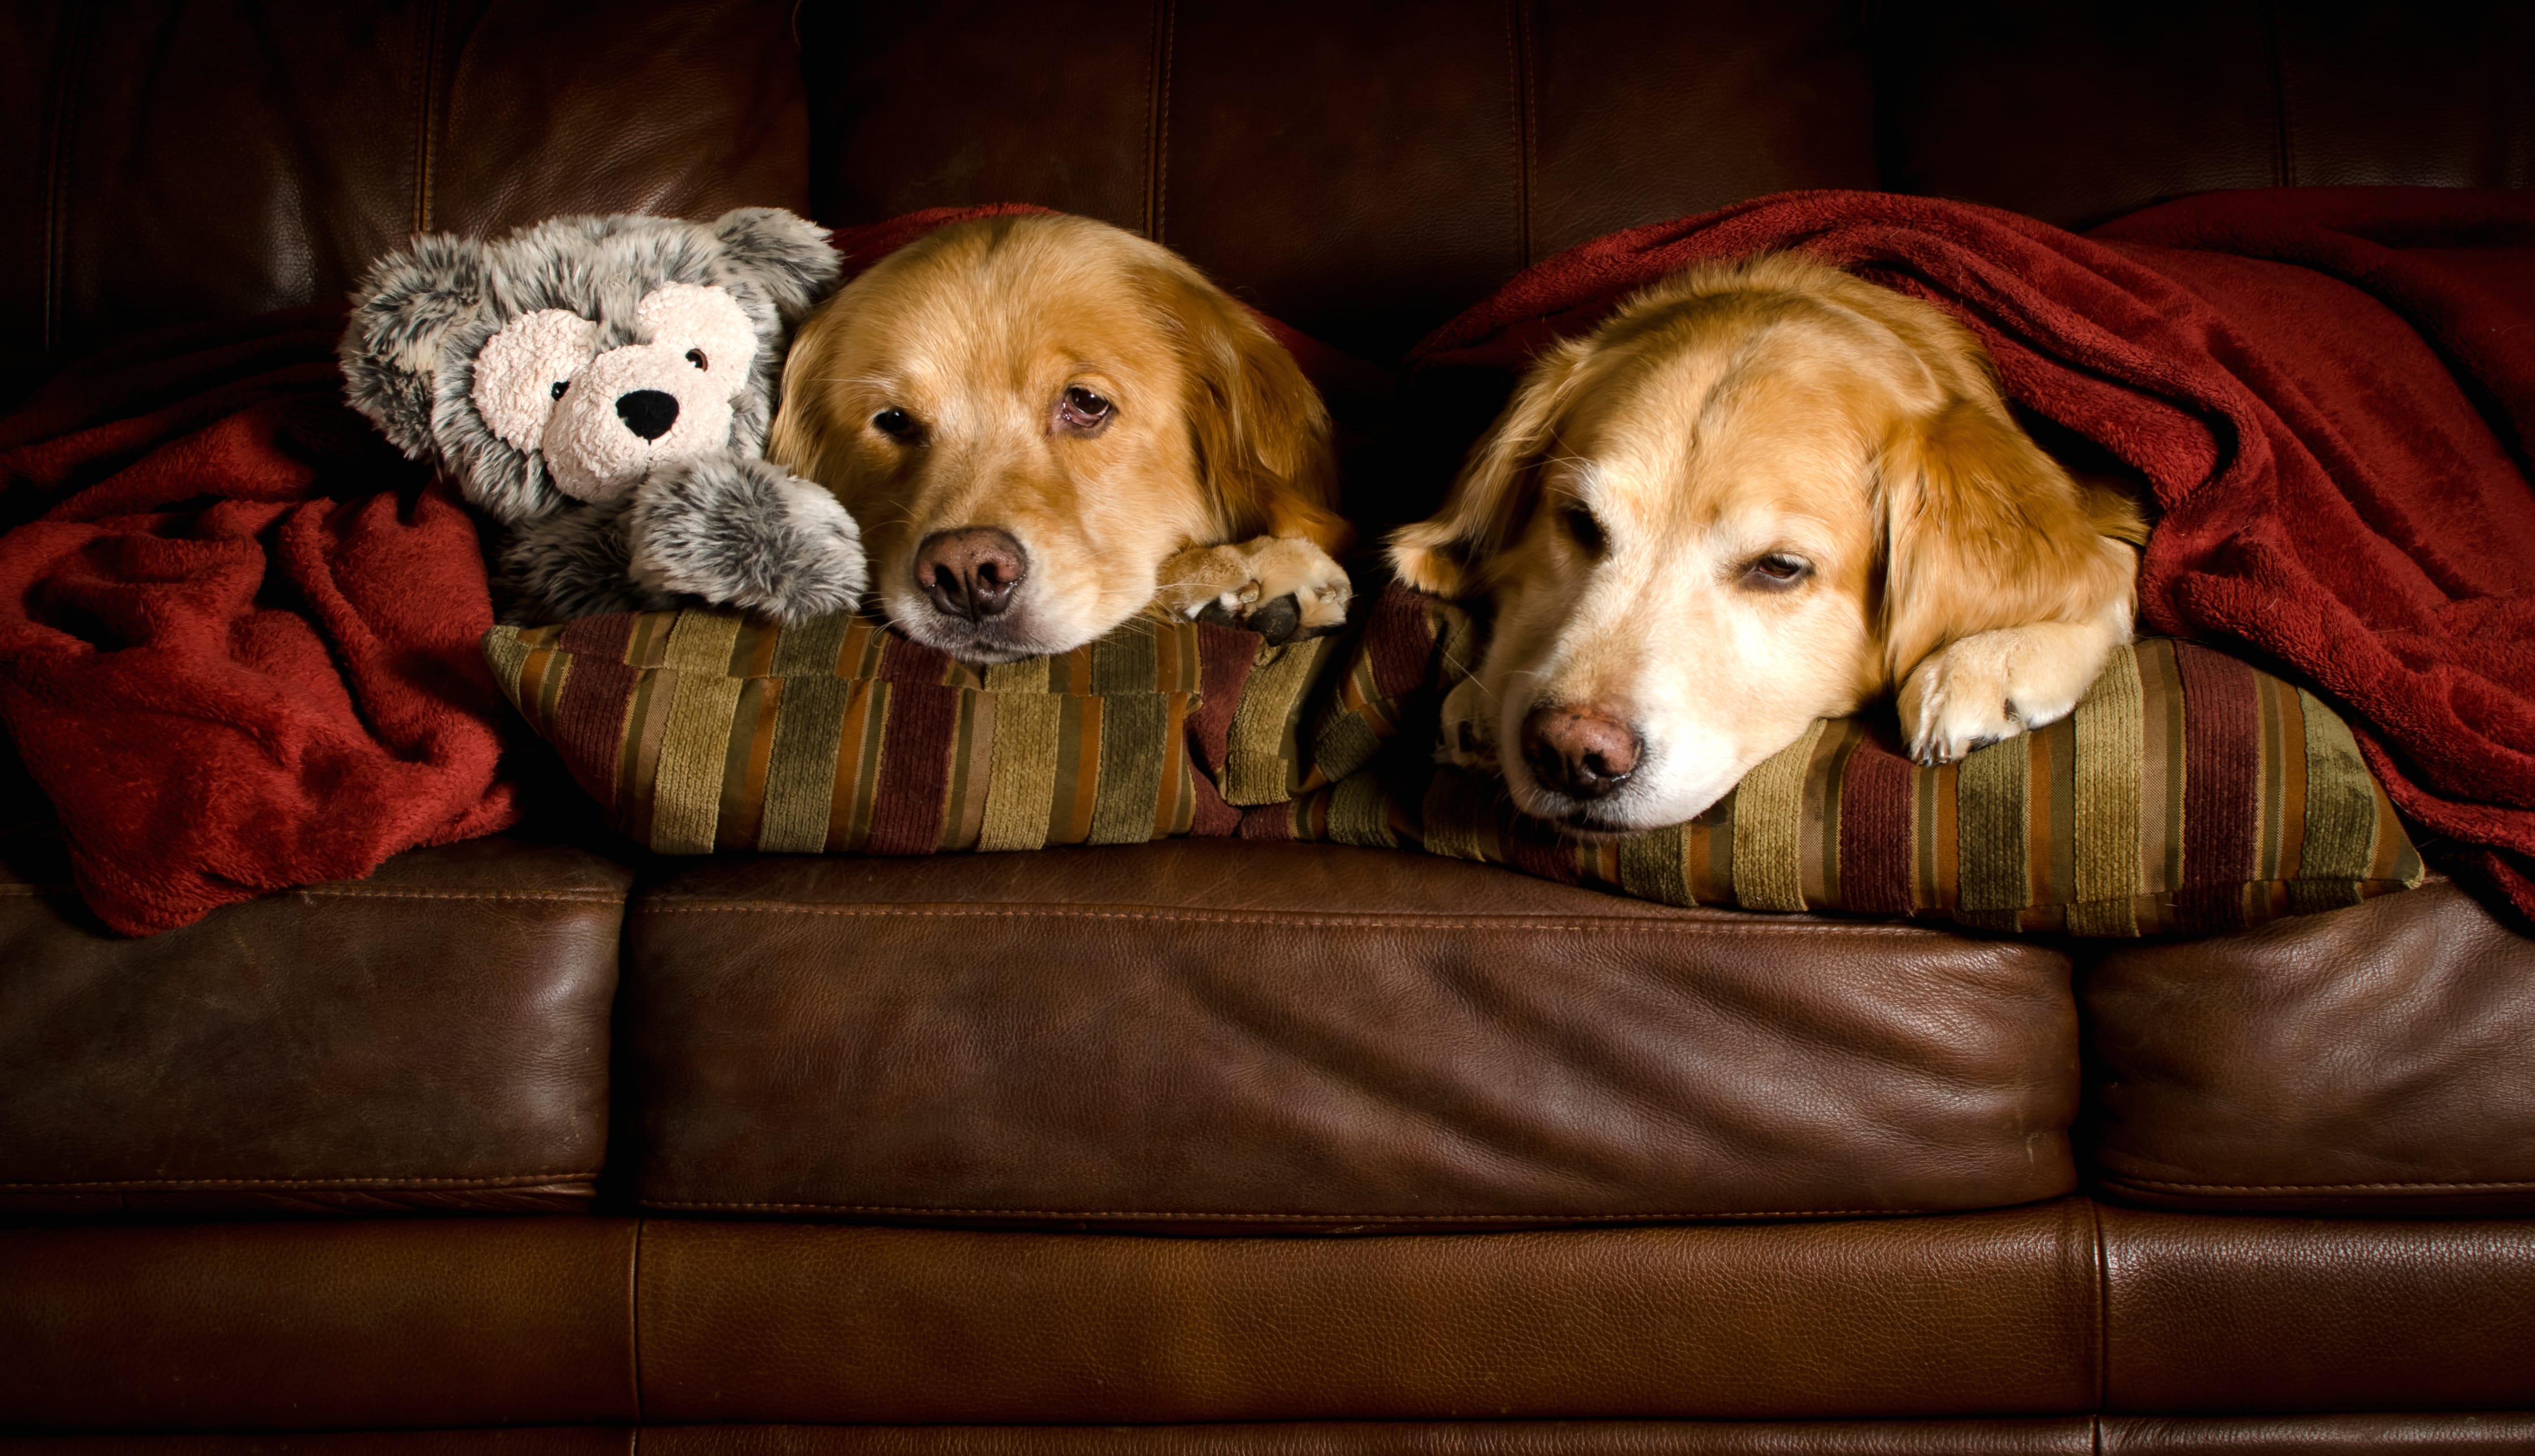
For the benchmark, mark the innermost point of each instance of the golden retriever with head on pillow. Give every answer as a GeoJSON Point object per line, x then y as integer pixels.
{"type": "Point", "coordinates": [1044, 423]}
{"type": "Point", "coordinates": [1761, 494]}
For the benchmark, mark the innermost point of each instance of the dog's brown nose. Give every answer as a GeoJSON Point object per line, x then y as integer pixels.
{"type": "Point", "coordinates": [971, 572]}
{"type": "Point", "coordinates": [1578, 751]}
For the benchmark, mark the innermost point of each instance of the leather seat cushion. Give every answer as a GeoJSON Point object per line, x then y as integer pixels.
{"type": "Point", "coordinates": [434, 1037]}
{"type": "Point", "coordinates": [1203, 1034]}
{"type": "Point", "coordinates": [2377, 1061]}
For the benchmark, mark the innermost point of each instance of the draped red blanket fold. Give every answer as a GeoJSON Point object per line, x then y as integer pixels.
{"type": "Point", "coordinates": [239, 635]}
{"type": "Point", "coordinates": [2330, 391]}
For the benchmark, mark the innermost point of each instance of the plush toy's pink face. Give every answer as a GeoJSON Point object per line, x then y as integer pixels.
{"type": "Point", "coordinates": [603, 419]}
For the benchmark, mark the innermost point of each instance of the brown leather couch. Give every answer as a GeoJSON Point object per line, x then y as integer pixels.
{"type": "Point", "coordinates": [533, 1144]}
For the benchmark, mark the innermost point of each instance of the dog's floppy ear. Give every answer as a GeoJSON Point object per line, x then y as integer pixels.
{"type": "Point", "coordinates": [1984, 530]}
{"type": "Point", "coordinates": [403, 317]}
{"type": "Point", "coordinates": [786, 255]}
{"type": "Point", "coordinates": [1259, 430]}
{"type": "Point", "coordinates": [1451, 553]}
{"type": "Point", "coordinates": [795, 441]}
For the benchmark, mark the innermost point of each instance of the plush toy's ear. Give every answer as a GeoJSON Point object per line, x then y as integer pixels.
{"type": "Point", "coordinates": [403, 317]}
{"type": "Point", "coordinates": [1451, 553]}
{"type": "Point", "coordinates": [787, 256]}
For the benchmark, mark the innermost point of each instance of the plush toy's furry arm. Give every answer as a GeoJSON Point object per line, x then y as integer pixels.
{"type": "Point", "coordinates": [723, 530]}
{"type": "Point", "coordinates": [739, 531]}
{"type": "Point", "coordinates": [573, 562]}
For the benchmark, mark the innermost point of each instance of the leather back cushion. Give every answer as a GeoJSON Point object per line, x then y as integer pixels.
{"type": "Point", "coordinates": [1364, 170]}
{"type": "Point", "coordinates": [1360, 170]}
{"type": "Point", "coordinates": [2188, 792]}
{"type": "Point", "coordinates": [164, 164]}
{"type": "Point", "coordinates": [2078, 113]}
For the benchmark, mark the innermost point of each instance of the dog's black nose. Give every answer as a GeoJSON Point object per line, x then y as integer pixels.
{"type": "Point", "coordinates": [970, 572]}
{"type": "Point", "coordinates": [647, 412]}
{"type": "Point", "coordinates": [1578, 751]}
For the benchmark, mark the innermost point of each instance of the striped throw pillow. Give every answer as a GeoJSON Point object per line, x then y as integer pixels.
{"type": "Point", "coordinates": [699, 731]}
{"type": "Point", "coordinates": [2189, 792]}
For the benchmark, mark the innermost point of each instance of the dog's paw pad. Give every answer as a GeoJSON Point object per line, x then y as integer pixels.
{"type": "Point", "coordinates": [1277, 621]}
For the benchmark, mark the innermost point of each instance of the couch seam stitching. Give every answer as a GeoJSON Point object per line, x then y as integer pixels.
{"type": "Point", "coordinates": [365, 1180]}
{"type": "Point", "coordinates": [2103, 1315]}
{"type": "Point", "coordinates": [1158, 124]}
{"type": "Point", "coordinates": [559, 896]}
{"type": "Point", "coordinates": [1615, 924]}
{"type": "Point", "coordinates": [2152, 1183]}
{"type": "Point", "coordinates": [423, 110]}
{"type": "Point", "coordinates": [1517, 58]}
{"type": "Point", "coordinates": [72, 61]}
{"type": "Point", "coordinates": [634, 1321]}
{"type": "Point", "coordinates": [1350, 1218]}
{"type": "Point", "coordinates": [2284, 154]}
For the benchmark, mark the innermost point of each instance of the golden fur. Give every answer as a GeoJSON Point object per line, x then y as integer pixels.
{"type": "Point", "coordinates": [1630, 512]}
{"type": "Point", "coordinates": [977, 333]}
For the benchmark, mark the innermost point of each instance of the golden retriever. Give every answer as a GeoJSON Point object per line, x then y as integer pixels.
{"type": "Point", "coordinates": [1044, 424]}
{"type": "Point", "coordinates": [1759, 494]}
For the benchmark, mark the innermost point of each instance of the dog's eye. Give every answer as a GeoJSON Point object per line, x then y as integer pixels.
{"type": "Point", "coordinates": [1584, 527]}
{"type": "Point", "coordinates": [561, 384]}
{"type": "Point", "coordinates": [1777, 571]}
{"type": "Point", "coordinates": [697, 358]}
{"type": "Point", "coordinates": [1081, 409]}
{"type": "Point", "coordinates": [894, 422]}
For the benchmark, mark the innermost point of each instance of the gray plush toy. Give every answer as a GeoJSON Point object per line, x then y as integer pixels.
{"type": "Point", "coordinates": [601, 387]}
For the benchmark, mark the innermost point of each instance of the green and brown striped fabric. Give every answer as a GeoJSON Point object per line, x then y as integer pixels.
{"type": "Point", "coordinates": [2189, 792]}
{"type": "Point", "coordinates": [704, 730]}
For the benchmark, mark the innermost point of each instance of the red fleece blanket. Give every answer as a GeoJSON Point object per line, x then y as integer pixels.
{"type": "Point", "coordinates": [239, 635]}
{"type": "Point", "coordinates": [2331, 390]}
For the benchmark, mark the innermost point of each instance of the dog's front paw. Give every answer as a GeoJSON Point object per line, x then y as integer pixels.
{"type": "Point", "coordinates": [1949, 707]}
{"type": "Point", "coordinates": [1995, 684]}
{"type": "Point", "coordinates": [740, 532]}
{"type": "Point", "coordinates": [1283, 587]}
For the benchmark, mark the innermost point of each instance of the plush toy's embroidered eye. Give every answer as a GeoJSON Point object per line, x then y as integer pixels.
{"type": "Point", "coordinates": [706, 326]}
{"type": "Point", "coordinates": [523, 369]}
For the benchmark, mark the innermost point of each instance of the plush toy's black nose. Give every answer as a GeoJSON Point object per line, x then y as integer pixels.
{"type": "Point", "coordinates": [647, 412]}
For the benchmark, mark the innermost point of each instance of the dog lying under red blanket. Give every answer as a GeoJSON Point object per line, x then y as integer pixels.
{"type": "Point", "coordinates": [2330, 391]}
{"type": "Point", "coordinates": [238, 637]}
